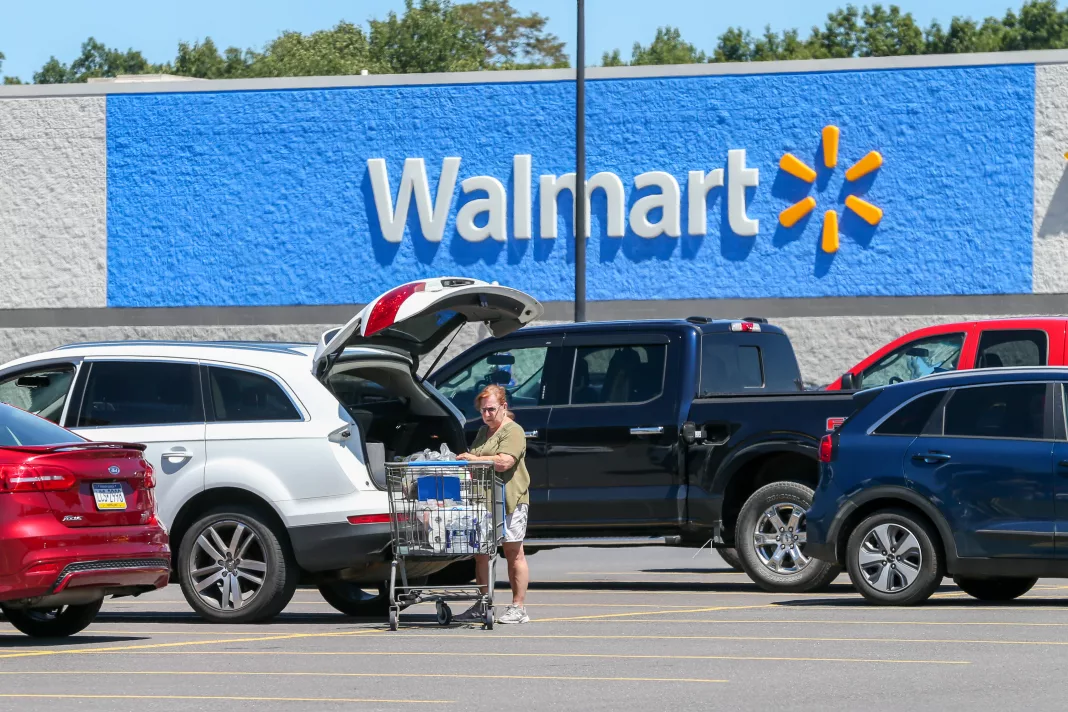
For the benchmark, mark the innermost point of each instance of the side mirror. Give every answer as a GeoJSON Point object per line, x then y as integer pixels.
{"type": "Point", "coordinates": [849, 383]}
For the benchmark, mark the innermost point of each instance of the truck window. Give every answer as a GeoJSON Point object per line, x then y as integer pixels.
{"type": "Point", "coordinates": [729, 365]}
{"type": "Point", "coordinates": [618, 374]}
{"type": "Point", "coordinates": [933, 354]}
{"type": "Point", "coordinates": [1018, 347]}
{"type": "Point", "coordinates": [520, 371]}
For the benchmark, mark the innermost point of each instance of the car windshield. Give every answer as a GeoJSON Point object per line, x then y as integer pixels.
{"type": "Point", "coordinates": [19, 428]}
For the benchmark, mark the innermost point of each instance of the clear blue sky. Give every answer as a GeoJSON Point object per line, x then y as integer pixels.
{"type": "Point", "coordinates": [32, 30]}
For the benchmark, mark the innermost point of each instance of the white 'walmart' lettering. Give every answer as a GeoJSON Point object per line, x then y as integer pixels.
{"type": "Point", "coordinates": [434, 211]}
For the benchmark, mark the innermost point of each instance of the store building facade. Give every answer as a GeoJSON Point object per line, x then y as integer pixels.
{"type": "Point", "coordinates": [849, 201]}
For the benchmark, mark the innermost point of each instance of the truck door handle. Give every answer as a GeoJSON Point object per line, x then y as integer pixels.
{"type": "Point", "coordinates": [658, 430]}
{"type": "Point", "coordinates": [531, 433]}
{"type": "Point", "coordinates": [177, 455]}
{"type": "Point", "coordinates": [931, 457]}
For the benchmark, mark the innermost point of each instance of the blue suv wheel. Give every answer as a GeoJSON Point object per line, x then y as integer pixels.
{"type": "Point", "coordinates": [892, 559]}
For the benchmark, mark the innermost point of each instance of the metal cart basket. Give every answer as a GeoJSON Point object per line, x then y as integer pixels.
{"type": "Point", "coordinates": [443, 510]}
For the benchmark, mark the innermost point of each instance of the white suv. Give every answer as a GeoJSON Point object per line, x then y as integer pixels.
{"type": "Point", "coordinates": [270, 456]}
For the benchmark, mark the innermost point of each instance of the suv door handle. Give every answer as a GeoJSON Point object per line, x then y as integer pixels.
{"type": "Point", "coordinates": [931, 457]}
{"type": "Point", "coordinates": [177, 455]}
{"type": "Point", "coordinates": [531, 433]}
{"type": "Point", "coordinates": [658, 430]}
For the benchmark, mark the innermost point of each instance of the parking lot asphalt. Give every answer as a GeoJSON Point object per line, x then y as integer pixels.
{"type": "Point", "coordinates": [618, 629]}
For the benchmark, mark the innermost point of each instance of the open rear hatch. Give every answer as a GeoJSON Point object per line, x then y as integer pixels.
{"type": "Point", "coordinates": [89, 484]}
{"type": "Point", "coordinates": [417, 317]}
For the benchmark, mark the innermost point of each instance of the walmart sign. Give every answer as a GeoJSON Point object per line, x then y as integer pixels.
{"type": "Point", "coordinates": [883, 183]}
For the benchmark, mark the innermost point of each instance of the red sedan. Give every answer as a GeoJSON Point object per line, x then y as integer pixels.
{"type": "Point", "coordinates": [77, 524]}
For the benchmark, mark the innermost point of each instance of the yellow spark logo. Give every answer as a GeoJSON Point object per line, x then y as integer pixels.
{"type": "Point", "coordinates": [799, 169]}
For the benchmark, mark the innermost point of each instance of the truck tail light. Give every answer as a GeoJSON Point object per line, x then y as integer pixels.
{"type": "Point", "coordinates": [745, 326]}
{"type": "Point", "coordinates": [827, 448]}
{"type": "Point", "coordinates": [385, 311]}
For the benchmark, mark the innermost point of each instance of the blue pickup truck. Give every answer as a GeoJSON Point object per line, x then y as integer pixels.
{"type": "Point", "coordinates": [682, 432]}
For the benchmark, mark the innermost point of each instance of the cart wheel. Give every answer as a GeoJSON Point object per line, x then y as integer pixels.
{"type": "Point", "coordinates": [487, 620]}
{"type": "Point", "coordinates": [444, 613]}
{"type": "Point", "coordinates": [393, 615]}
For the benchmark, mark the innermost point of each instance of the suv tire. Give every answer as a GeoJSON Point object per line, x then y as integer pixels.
{"type": "Point", "coordinates": [55, 623]}
{"type": "Point", "coordinates": [267, 576]}
{"type": "Point", "coordinates": [773, 566]}
{"type": "Point", "coordinates": [730, 558]}
{"type": "Point", "coordinates": [893, 559]}
{"type": "Point", "coordinates": [995, 589]}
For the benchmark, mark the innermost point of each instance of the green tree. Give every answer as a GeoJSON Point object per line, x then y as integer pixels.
{"type": "Point", "coordinates": [96, 60]}
{"type": "Point", "coordinates": [667, 47]}
{"type": "Point", "coordinates": [429, 37]}
{"type": "Point", "coordinates": [345, 49]}
{"type": "Point", "coordinates": [8, 80]}
{"type": "Point", "coordinates": [511, 40]}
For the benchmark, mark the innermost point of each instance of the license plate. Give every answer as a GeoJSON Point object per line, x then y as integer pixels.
{"type": "Point", "coordinates": [109, 496]}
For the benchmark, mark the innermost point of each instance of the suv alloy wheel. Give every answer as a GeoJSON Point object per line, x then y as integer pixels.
{"type": "Point", "coordinates": [892, 559]}
{"type": "Point", "coordinates": [233, 568]}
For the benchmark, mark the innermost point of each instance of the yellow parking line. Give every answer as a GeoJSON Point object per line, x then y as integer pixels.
{"type": "Point", "coordinates": [756, 638]}
{"type": "Point", "coordinates": [453, 675]}
{"type": "Point", "coordinates": [222, 698]}
{"type": "Point", "coordinates": [152, 646]}
{"type": "Point", "coordinates": [650, 613]}
{"type": "Point", "coordinates": [496, 655]}
{"type": "Point", "coordinates": [728, 621]}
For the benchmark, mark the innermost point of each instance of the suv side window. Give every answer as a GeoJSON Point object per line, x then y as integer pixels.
{"type": "Point", "coordinates": [618, 374]}
{"type": "Point", "coordinates": [1006, 411]}
{"type": "Point", "coordinates": [242, 397]}
{"type": "Point", "coordinates": [520, 371]}
{"type": "Point", "coordinates": [41, 391]}
{"type": "Point", "coordinates": [1022, 347]}
{"type": "Point", "coordinates": [934, 354]}
{"type": "Point", "coordinates": [131, 393]}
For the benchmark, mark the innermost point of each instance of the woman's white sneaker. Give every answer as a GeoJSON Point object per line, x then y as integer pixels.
{"type": "Point", "coordinates": [514, 614]}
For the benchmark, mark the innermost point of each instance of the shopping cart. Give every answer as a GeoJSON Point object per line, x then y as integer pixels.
{"type": "Point", "coordinates": [443, 510]}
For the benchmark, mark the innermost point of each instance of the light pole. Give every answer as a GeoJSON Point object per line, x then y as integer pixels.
{"type": "Point", "coordinates": [580, 165]}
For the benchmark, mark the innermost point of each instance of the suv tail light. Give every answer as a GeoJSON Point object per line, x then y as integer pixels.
{"type": "Point", "coordinates": [827, 448]}
{"type": "Point", "coordinates": [385, 311]}
{"type": "Point", "coordinates": [41, 478]}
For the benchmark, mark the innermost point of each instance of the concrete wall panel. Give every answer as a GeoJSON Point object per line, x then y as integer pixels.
{"type": "Point", "coordinates": [53, 176]}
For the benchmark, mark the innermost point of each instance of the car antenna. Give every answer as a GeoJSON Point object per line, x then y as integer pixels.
{"type": "Point", "coordinates": [441, 353]}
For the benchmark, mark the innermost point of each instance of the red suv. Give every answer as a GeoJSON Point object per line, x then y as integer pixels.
{"type": "Point", "coordinates": [991, 343]}
{"type": "Point", "coordinates": [77, 523]}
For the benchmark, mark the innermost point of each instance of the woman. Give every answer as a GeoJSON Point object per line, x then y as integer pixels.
{"type": "Point", "coordinates": [502, 441]}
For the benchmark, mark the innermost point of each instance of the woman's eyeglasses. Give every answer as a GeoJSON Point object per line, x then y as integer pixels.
{"type": "Point", "coordinates": [490, 411]}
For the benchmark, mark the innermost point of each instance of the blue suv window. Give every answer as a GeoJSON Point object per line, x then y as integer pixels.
{"type": "Point", "coordinates": [910, 418]}
{"type": "Point", "coordinates": [1005, 411]}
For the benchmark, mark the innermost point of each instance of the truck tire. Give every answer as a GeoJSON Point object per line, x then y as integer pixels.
{"type": "Point", "coordinates": [730, 558]}
{"type": "Point", "coordinates": [770, 540]}
{"type": "Point", "coordinates": [261, 564]}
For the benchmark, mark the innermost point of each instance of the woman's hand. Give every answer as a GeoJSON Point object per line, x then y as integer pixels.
{"type": "Point", "coordinates": [466, 457]}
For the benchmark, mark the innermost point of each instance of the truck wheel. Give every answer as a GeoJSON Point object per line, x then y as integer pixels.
{"type": "Point", "coordinates": [53, 623]}
{"type": "Point", "coordinates": [770, 540]}
{"type": "Point", "coordinates": [995, 589]}
{"type": "Point", "coordinates": [730, 558]}
{"type": "Point", "coordinates": [234, 568]}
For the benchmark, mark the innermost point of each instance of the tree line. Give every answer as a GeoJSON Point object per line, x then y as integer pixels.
{"type": "Point", "coordinates": [440, 36]}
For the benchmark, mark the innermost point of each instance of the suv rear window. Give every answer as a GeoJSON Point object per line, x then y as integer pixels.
{"type": "Point", "coordinates": [130, 393]}
{"type": "Point", "coordinates": [910, 418]}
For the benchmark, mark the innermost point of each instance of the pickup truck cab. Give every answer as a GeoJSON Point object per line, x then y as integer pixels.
{"type": "Point", "coordinates": [991, 343]}
{"type": "Point", "coordinates": [652, 432]}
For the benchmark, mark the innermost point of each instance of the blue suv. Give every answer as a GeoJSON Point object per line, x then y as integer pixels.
{"type": "Point", "coordinates": [964, 474]}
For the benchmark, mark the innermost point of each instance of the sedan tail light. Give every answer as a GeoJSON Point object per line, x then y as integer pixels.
{"type": "Point", "coordinates": [150, 477]}
{"type": "Point", "coordinates": [827, 448]}
{"type": "Point", "coordinates": [39, 478]}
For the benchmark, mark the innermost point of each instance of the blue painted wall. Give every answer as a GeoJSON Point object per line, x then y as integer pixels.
{"type": "Point", "coordinates": [263, 198]}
